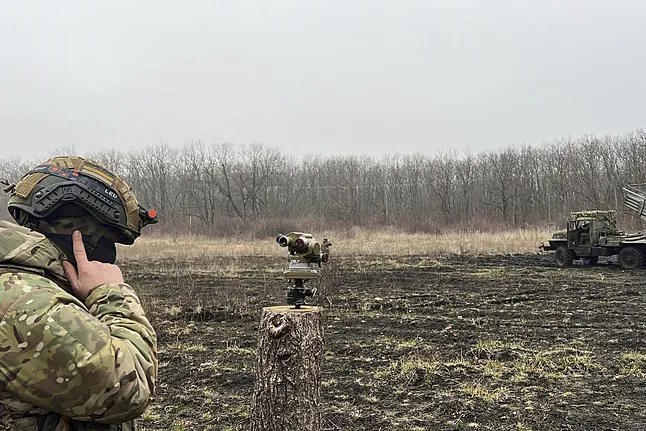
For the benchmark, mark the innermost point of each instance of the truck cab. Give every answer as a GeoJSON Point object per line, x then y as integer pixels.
{"type": "Point", "coordinates": [588, 232]}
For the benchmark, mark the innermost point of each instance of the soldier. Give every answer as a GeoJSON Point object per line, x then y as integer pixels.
{"type": "Point", "coordinates": [76, 350]}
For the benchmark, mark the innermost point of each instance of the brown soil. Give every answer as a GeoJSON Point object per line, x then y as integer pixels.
{"type": "Point", "coordinates": [412, 343]}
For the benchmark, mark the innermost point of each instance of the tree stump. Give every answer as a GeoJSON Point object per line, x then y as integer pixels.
{"type": "Point", "coordinates": [287, 393]}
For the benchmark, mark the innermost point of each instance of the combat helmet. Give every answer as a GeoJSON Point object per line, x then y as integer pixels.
{"type": "Point", "coordinates": [74, 186]}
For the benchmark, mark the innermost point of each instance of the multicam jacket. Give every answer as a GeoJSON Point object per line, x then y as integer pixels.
{"type": "Point", "coordinates": [65, 364]}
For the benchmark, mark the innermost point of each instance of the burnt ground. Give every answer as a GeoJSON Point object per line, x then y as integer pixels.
{"type": "Point", "coordinates": [412, 343]}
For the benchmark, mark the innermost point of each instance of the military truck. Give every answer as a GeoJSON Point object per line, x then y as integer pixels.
{"type": "Point", "coordinates": [591, 234]}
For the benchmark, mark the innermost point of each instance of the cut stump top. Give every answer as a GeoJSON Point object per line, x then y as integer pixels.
{"type": "Point", "coordinates": [287, 309]}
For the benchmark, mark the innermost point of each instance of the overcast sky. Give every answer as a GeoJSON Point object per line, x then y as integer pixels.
{"type": "Point", "coordinates": [318, 76]}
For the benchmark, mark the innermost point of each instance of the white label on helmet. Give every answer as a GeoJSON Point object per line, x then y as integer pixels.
{"type": "Point", "coordinates": [111, 194]}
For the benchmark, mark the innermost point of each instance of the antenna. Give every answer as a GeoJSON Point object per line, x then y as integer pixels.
{"type": "Point", "coordinates": [9, 187]}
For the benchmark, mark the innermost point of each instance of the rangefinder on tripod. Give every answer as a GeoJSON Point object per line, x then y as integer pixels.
{"type": "Point", "coordinates": [306, 255]}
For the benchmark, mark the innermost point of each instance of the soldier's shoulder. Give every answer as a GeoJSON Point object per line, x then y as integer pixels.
{"type": "Point", "coordinates": [16, 286]}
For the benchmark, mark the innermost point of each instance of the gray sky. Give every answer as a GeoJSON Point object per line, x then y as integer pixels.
{"type": "Point", "coordinates": [318, 76]}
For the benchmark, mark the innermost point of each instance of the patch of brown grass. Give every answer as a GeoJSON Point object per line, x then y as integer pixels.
{"type": "Point", "coordinates": [354, 242]}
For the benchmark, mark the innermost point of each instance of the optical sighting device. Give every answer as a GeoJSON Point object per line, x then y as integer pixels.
{"type": "Point", "coordinates": [306, 255]}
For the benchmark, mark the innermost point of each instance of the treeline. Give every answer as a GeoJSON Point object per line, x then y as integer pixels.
{"type": "Point", "coordinates": [222, 188]}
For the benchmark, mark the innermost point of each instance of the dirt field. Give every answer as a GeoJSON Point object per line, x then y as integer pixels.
{"type": "Point", "coordinates": [413, 342]}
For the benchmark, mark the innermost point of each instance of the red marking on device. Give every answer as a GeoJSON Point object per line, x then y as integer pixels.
{"type": "Point", "coordinates": [152, 213]}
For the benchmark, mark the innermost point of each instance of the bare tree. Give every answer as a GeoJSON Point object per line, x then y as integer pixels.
{"type": "Point", "coordinates": [212, 186]}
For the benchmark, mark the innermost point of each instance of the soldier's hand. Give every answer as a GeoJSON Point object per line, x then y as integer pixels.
{"type": "Point", "coordinates": [88, 274]}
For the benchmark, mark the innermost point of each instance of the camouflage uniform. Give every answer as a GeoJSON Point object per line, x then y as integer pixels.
{"type": "Point", "coordinates": [65, 364]}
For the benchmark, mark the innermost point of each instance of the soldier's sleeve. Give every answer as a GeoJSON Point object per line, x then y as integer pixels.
{"type": "Point", "coordinates": [94, 361]}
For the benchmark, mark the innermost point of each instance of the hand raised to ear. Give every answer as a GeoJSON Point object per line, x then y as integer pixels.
{"type": "Point", "coordinates": [88, 274]}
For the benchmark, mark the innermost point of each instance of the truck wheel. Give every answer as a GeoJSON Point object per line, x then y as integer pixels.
{"type": "Point", "coordinates": [590, 261]}
{"type": "Point", "coordinates": [631, 258]}
{"type": "Point", "coordinates": [564, 256]}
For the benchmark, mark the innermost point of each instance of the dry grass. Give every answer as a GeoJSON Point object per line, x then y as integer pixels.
{"type": "Point", "coordinates": [408, 371]}
{"type": "Point", "coordinates": [486, 394]}
{"type": "Point", "coordinates": [633, 364]}
{"type": "Point", "coordinates": [355, 242]}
